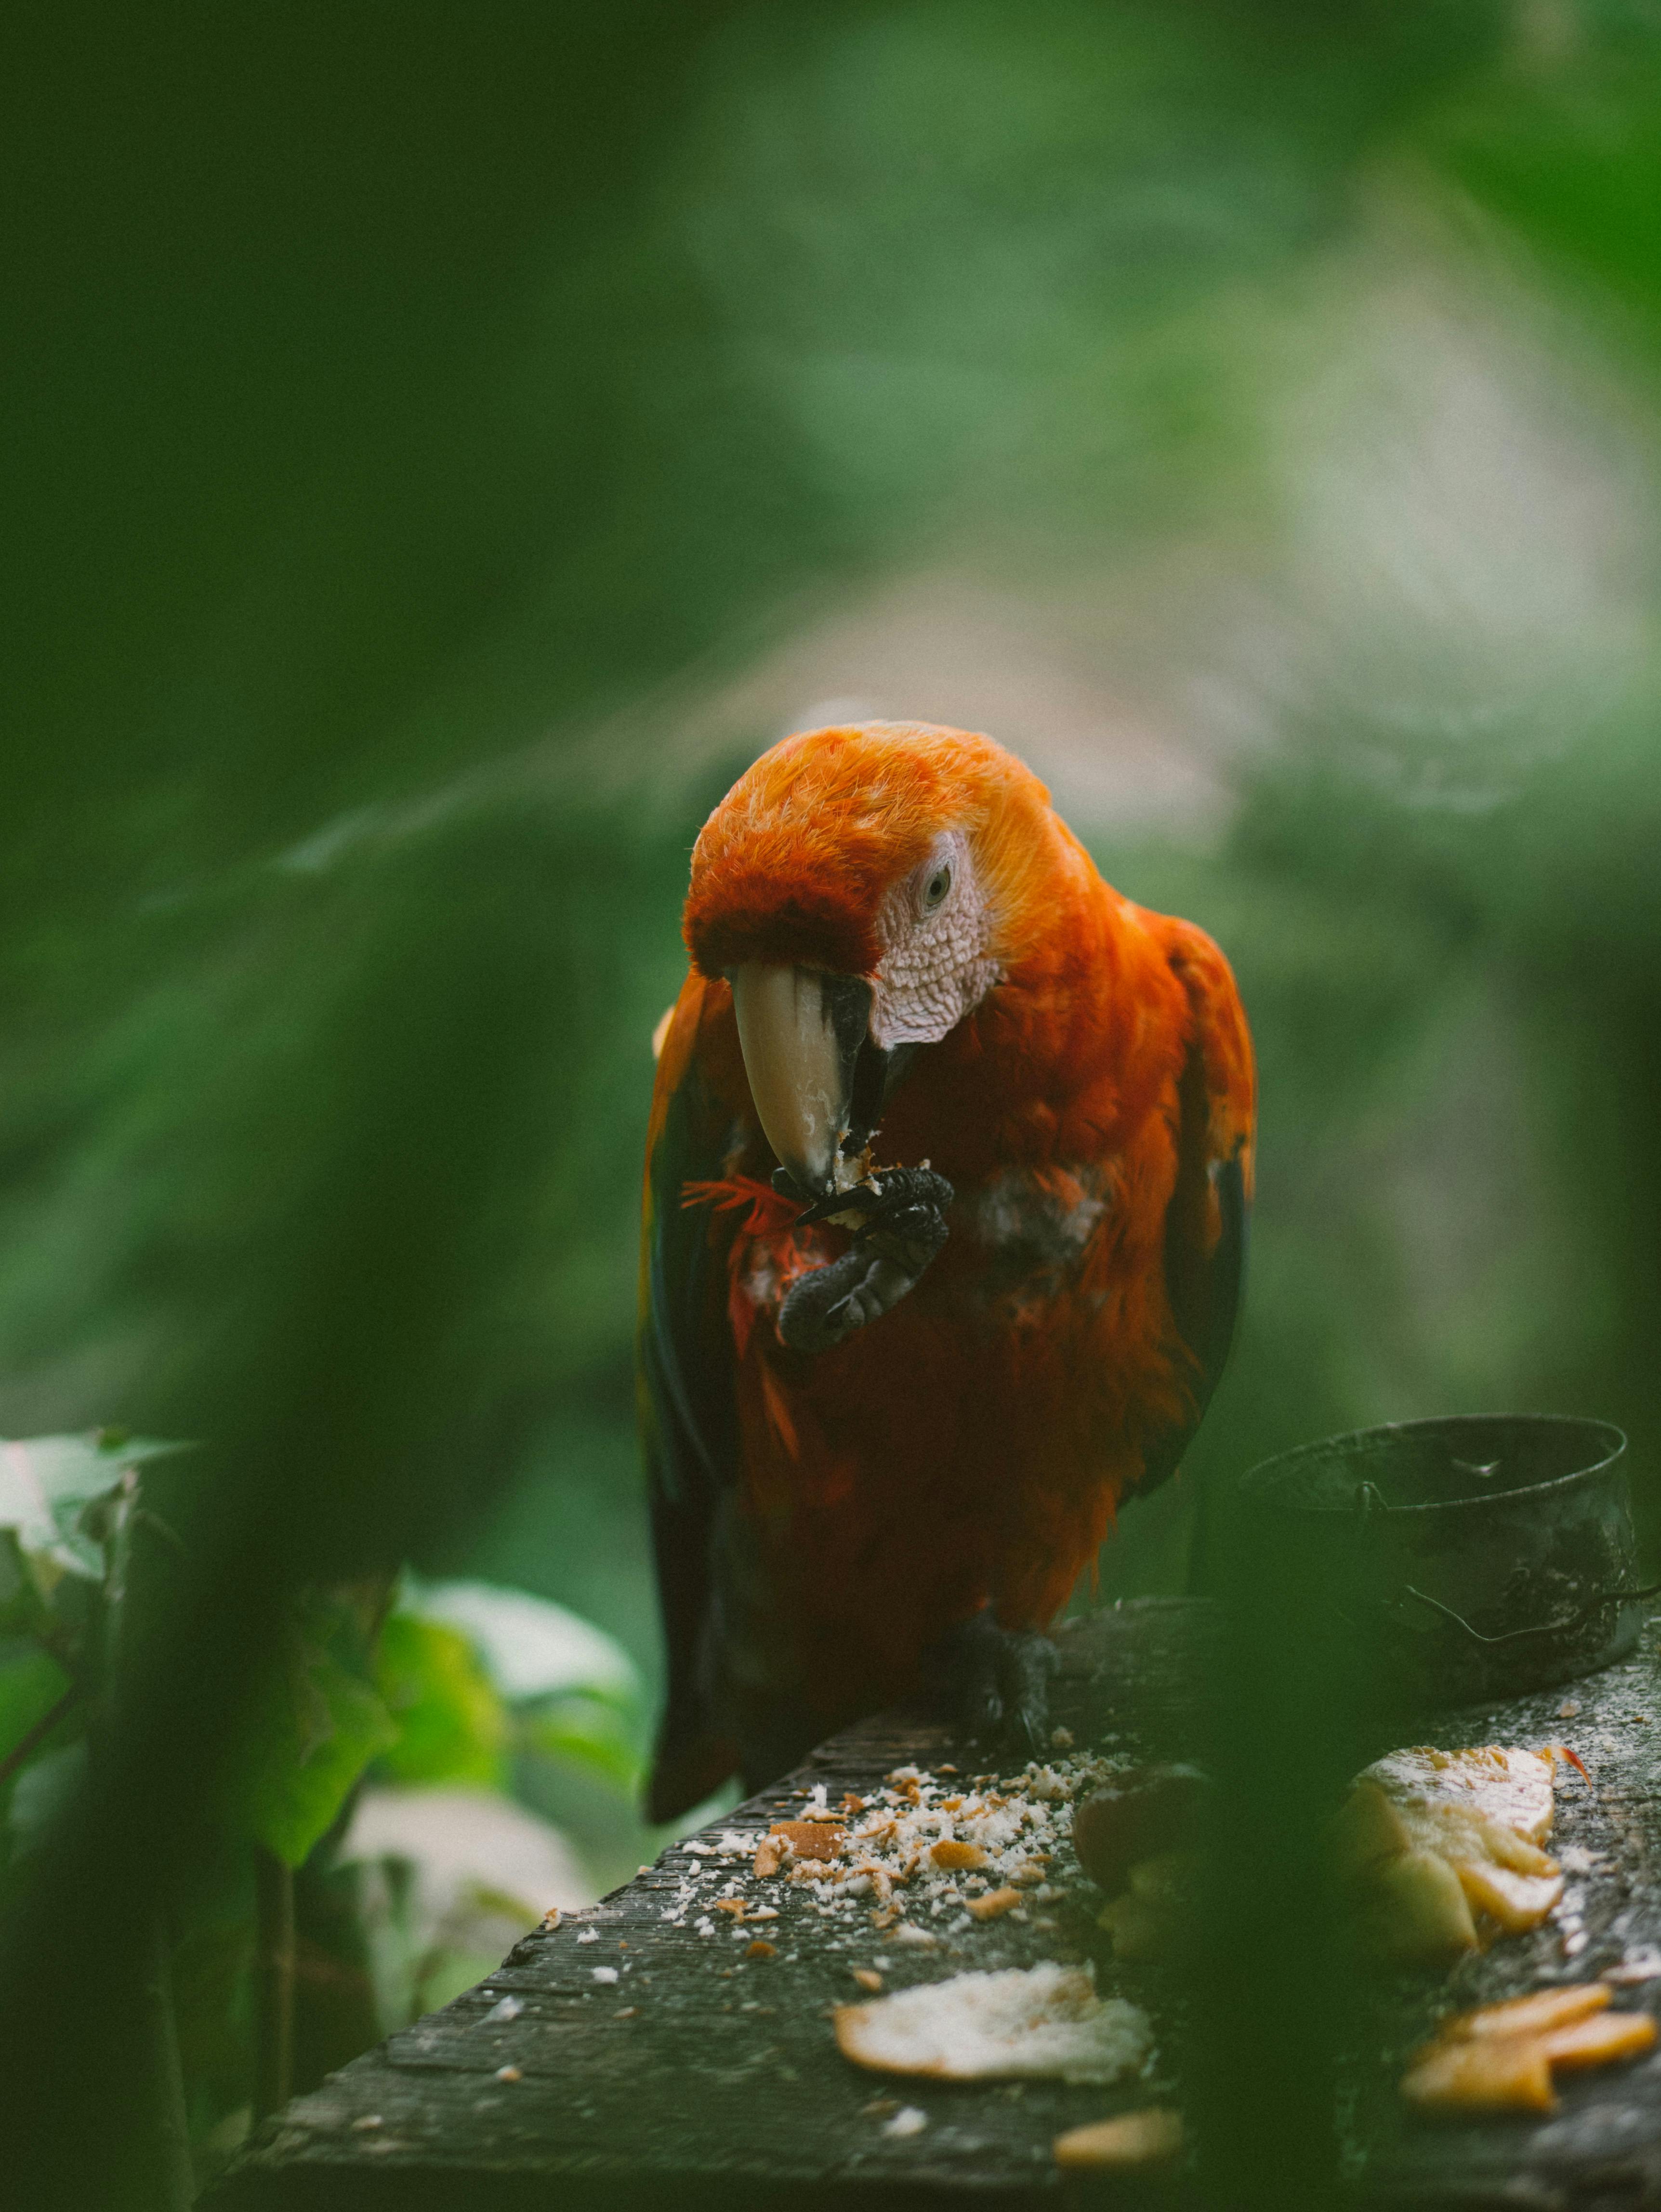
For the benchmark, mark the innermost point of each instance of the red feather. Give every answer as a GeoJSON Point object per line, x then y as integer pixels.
{"type": "Point", "coordinates": [973, 1444]}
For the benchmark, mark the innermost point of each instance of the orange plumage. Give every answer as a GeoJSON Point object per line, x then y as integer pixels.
{"type": "Point", "coordinates": [825, 1517]}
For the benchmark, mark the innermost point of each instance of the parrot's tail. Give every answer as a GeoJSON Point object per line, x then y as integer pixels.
{"type": "Point", "coordinates": [686, 1769]}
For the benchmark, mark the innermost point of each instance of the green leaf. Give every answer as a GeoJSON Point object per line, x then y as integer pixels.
{"type": "Point", "coordinates": [530, 1647]}
{"type": "Point", "coordinates": [31, 1684]}
{"type": "Point", "coordinates": [595, 1733]}
{"type": "Point", "coordinates": [47, 1485]}
{"type": "Point", "coordinates": [310, 1736]}
{"type": "Point", "coordinates": [44, 1793]}
{"type": "Point", "coordinates": [452, 1725]}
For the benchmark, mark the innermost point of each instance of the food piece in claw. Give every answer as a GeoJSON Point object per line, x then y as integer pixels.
{"type": "Point", "coordinates": [1480, 1814]}
{"type": "Point", "coordinates": [900, 1226]}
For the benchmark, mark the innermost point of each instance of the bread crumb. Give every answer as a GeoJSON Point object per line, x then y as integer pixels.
{"type": "Point", "coordinates": [957, 1856]}
{"type": "Point", "coordinates": [508, 2073]}
{"type": "Point", "coordinates": [1643, 1964]}
{"type": "Point", "coordinates": [550, 1918]}
{"type": "Point", "coordinates": [907, 2121]}
{"type": "Point", "coordinates": [867, 1978]}
{"type": "Point", "coordinates": [994, 1904]}
{"type": "Point", "coordinates": [770, 1857]}
{"type": "Point", "coordinates": [812, 1839]}
{"type": "Point", "coordinates": [1130, 2139]}
{"type": "Point", "coordinates": [761, 1948]}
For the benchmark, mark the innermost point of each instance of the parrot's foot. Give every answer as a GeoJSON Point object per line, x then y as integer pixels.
{"type": "Point", "coordinates": [998, 1680]}
{"type": "Point", "coordinates": [898, 1220]}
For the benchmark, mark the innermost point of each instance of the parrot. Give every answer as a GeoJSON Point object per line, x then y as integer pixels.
{"type": "Point", "coordinates": [948, 1167]}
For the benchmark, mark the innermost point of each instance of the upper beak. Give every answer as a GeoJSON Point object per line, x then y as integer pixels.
{"type": "Point", "coordinates": [803, 1033]}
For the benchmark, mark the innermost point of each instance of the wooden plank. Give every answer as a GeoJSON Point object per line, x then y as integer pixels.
{"type": "Point", "coordinates": [715, 2075]}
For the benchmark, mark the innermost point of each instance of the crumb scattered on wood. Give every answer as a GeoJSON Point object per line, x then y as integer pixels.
{"type": "Point", "coordinates": [994, 1904]}
{"type": "Point", "coordinates": [1144, 2138]}
{"type": "Point", "coordinates": [907, 2121]}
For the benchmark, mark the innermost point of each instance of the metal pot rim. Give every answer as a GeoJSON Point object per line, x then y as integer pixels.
{"type": "Point", "coordinates": [1606, 1437]}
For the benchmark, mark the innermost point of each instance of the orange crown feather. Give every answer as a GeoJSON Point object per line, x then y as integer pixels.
{"type": "Point", "coordinates": [794, 864]}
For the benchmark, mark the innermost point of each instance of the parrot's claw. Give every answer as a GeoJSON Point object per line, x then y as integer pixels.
{"type": "Point", "coordinates": [998, 1679]}
{"type": "Point", "coordinates": [900, 1228]}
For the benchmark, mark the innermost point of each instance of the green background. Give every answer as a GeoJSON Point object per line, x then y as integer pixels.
{"type": "Point", "coordinates": [444, 448]}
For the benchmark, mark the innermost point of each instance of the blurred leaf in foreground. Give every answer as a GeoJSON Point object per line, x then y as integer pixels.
{"type": "Point", "coordinates": [451, 1726]}
{"type": "Point", "coordinates": [317, 1723]}
{"type": "Point", "coordinates": [530, 1647]}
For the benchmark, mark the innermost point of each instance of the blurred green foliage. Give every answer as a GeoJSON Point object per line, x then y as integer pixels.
{"type": "Point", "coordinates": [369, 1684]}
{"type": "Point", "coordinates": [421, 430]}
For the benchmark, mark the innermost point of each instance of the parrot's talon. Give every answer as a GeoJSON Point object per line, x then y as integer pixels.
{"type": "Point", "coordinates": [903, 1231]}
{"type": "Point", "coordinates": [998, 1682]}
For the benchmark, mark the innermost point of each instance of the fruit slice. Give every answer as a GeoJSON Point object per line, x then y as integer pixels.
{"type": "Point", "coordinates": [1531, 2015]}
{"type": "Point", "coordinates": [1502, 2057]}
{"type": "Point", "coordinates": [1488, 2074]}
{"type": "Point", "coordinates": [1599, 2040]}
{"type": "Point", "coordinates": [1479, 1816]}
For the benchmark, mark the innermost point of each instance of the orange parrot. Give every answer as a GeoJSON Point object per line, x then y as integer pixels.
{"type": "Point", "coordinates": [947, 1182]}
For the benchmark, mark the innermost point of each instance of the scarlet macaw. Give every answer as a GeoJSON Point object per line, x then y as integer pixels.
{"type": "Point", "coordinates": [947, 1171]}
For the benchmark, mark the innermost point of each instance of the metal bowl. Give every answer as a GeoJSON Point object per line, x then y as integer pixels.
{"type": "Point", "coordinates": [1486, 1554]}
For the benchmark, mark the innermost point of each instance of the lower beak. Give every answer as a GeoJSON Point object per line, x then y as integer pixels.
{"type": "Point", "coordinates": [804, 1034]}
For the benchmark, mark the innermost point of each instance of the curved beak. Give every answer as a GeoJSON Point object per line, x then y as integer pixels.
{"type": "Point", "coordinates": [804, 1034]}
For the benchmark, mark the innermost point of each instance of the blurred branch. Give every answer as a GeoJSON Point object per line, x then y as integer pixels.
{"type": "Point", "coordinates": [173, 2183]}
{"type": "Point", "coordinates": [274, 1981]}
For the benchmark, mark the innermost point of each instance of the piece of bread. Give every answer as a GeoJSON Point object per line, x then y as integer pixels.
{"type": "Point", "coordinates": [1044, 2021]}
{"type": "Point", "coordinates": [1435, 1844]}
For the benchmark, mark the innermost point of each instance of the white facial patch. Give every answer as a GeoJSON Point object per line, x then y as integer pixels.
{"type": "Point", "coordinates": [936, 966]}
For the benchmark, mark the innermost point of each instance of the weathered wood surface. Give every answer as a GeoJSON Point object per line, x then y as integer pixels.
{"type": "Point", "coordinates": [704, 2072]}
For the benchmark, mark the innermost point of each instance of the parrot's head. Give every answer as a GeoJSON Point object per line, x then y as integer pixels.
{"type": "Point", "coordinates": [862, 889]}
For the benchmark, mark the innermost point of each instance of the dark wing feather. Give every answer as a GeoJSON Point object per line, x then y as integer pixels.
{"type": "Point", "coordinates": [1206, 1221]}
{"type": "Point", "coordinates": [684, 1369]}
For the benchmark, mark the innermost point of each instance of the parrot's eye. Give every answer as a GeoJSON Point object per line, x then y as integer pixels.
{"type": "Point", "coordinates": [939, 884]}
